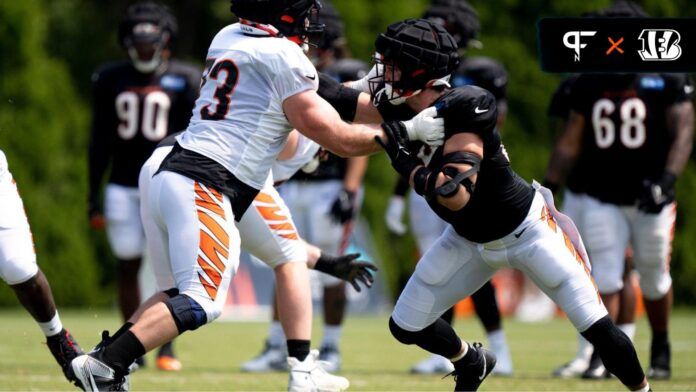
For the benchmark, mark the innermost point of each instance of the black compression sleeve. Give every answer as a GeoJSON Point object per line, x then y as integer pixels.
{"type": "Point", "coordinates": [343, 99]}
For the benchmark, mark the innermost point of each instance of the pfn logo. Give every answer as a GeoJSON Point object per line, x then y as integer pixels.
{"type": "Point", "coordinates": [660, 45]}
{"type": "Point", "coordinates": [576, 44]}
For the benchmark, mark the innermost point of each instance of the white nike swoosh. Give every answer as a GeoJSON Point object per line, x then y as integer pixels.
{"type": "Point", "coordinates": [483, 375]}
{"type": "Point", "coordinates": [479, 111]}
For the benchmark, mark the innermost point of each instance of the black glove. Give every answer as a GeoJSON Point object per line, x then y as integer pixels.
{"type": "Point", "coordinates": [657, 194]}
{"type": "Point", "coordinates": [343, 208]}
{"type": "Point", "coordinates": [347, 268]}
{"type": "Point", "coordinates": [403, 160]}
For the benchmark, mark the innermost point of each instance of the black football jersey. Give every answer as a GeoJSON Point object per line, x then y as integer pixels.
{"type": "Point", "coordinates": [626, 139]}
{"type": "Point", "coordinates": [334, 167]}
{"type": "Point", "coordinates": [559, 107]}
{"type": "Point", "coordinates": [483, 72]}
{"type": "Point", "coordinates": [132, 112]}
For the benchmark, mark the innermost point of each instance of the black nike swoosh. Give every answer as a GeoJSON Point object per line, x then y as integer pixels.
{"type": "Point", "coordinates": [517, 235]}
{"type": "Point", "coordinates": [311, 77]}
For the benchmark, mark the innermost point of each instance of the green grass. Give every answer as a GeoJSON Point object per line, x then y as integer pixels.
{"type": "Point", "coordinates": [372, 359]}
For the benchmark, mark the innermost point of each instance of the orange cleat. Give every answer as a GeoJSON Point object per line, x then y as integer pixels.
{"type": "Point", "coordinates": [168, 364]}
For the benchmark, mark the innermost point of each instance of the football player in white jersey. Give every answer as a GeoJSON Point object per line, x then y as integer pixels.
{"type": "Point", "coordinates": [258, 86]}
{"type": "Point", "coordinates": [19, 270]}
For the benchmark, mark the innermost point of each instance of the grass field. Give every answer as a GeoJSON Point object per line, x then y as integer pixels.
{"type": "Point", "coordinates": [372, 359]}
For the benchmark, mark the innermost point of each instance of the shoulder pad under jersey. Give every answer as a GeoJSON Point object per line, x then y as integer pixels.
{"type": "Point", "coordinates": [467, 109]}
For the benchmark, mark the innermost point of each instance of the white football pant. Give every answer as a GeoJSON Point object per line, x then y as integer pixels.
{"type": "Point", "coordinates": [124, 229]}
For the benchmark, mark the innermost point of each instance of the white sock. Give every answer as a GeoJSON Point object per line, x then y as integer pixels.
{"type": "Point", "coordinates": [628, 329]}
{"type": "Point", "coordinates": [465, 349]}
{"type": "Point", "coordinates": [497, 340]}
{"type": "Point", "coordinates": [276, 336]}
{"type": "Point", "coordinates": [585, 349]}
{"type": "Point", "coordinates": [646, 388]}
{"type": "Point", "coordinates": [332, 335]}
{"type": "Point", "coordinates": [52, 327]}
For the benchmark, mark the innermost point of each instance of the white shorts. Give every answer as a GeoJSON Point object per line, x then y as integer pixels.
{"type": "Point", "coordinates": [454, 268]}
{"type": "Point", "coordinates": [123, 226]}
{"type": "Point", "coordinates": [573, 206]}
{"type": "Point", "coordinates": [310, 204]}
{"type": "Point", "coordinates": [608, 230]}
{"type": "Point", "coordinates": [426, 226]}
{"type": "Point", "coordinates": [268, 231]}
{"type": "Point", "coordinates": [17, 255]}
{"type": "Point", "coordinates": [191, 235]}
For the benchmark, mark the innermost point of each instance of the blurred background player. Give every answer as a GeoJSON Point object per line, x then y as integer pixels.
{"type": "Point", "coordinates": [633, 133]}
{"type": "Point", "coordinates": [462, 22]}
{"type": "Point", "coordinates": [585, 363]}
{"type": "Point", "coordinates": [136, 104]}
{"type": "Point", "coordinates": [19, 270]}
{"type": "Point", "coordinates": [323, 204]}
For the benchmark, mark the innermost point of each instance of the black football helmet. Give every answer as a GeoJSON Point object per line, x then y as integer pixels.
{"type": "Point", "coordinates": [146, 29]}
{"type": "Point", "coordinates": [424, 53]}
{"type": "Point", "coordinates": [334, 29]}
{"type": "Point", "coordinates": [458, 17]}
{"type": "Point", "coordinates": [292, 18]}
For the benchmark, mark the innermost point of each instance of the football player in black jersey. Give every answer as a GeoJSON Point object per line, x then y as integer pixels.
{"type": "Point", "coordinates": [136, 104]}
{"type": "Point", "coordinates": [462, 22]}
{"type": "Point", "coordinates": [586, 364]}
{"type": "Point", "coordinates": [496, 218]}
{"type": "Point", "coordinates": [323, 204]}
{"type": "Point", "coordinates": [632, 134]}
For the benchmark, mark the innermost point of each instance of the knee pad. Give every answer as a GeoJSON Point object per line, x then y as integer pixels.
{"type": "Point", "coordinates": [188, 314]}
{"type": "Point", "coordinates": [18, 271]}
{"type": "Point", "coordinates": [400, 334]}
{"type": "Point", "coordinates": [655, 282]}
{"type": "Point", "coordinates": [171, 293]}
{"type": "Point", "coordinates": [608, 282]}
{"type": "Point", "coordinates": [616, 350]}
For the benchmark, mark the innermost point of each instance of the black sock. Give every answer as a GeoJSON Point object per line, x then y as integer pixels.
{"type": "Point", "coordinates": [123, 351]}
{"type": "Point", "coordinates": [124, 328]}
{"type": "Point", "coordinates": [166, 350]}
{"type": "Point", "coordinates": [298, 349]}
{"type": "Point", "coordinates": [660, 338]}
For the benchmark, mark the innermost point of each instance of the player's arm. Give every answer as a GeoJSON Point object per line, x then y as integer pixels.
{"type": "Point", "coordinates": [680, 120]}
{"type": "Point", "coordinates": [566, 152]}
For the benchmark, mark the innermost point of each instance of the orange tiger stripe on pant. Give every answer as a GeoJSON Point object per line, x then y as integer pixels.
{"type": "Point", "coordinates": [275, 221]}
{"type": "Point", "coordinates": [214, 244]}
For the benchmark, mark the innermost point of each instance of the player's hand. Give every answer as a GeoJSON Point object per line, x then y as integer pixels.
{"type": "Point", "coordinates": [348, 268]}
{"type": "Point", "coordinates": [403, 160]}
{"type": "Point", "coordinates": [394, 217]}
{"type": "Point", "coordinates": [376, 75]}
{"type": "Point", "coordinates": [426, 127]}
{"type": "Point", "coordinates": [343, 208]}
{"type": "Point", "coordinates": [657, 194]}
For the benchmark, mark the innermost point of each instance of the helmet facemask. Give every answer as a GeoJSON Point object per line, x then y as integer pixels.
{"type": "Point", "coordinates": [145, 46]}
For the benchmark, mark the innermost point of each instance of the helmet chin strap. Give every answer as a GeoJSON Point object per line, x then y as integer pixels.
{"type": "Point", "coordinates": [398, 98]}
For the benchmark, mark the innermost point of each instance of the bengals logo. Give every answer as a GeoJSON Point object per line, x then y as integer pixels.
{"type": "Point", "coordinates": [660, 45]}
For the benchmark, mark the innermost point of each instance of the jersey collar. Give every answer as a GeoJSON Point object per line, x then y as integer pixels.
{"type": "Point", "coordinates": [258, 29]}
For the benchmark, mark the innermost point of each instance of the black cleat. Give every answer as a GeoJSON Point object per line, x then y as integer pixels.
{"type": "Point", "coordinates": [64, 349]}
{"type": "Point", "coordinates": [660, 357]}
{"type": "Point", "coordinates": [469, 376]}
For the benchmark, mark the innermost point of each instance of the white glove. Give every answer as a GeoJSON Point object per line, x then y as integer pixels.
{"type": "Point", "coordinates": [363, 84]}
{"type": "Point", "coordinates": [395, 215]}
{"type": "Point", "coordinates": [426, 127]}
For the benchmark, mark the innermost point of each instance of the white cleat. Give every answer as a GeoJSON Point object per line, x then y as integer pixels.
{"type": "Point", "coordinates": [330, 358]}
{"type": "Point", "coordinates": [272, 359]}
{"type": "Point", "coordinates": [94, 375]}
{"type": "Point", "coordinates": [574, 368]}
{"type": "Point", "coordinates": [503, 365]}
{"type": "Point", "coordinates": [309, 376]}
{"type": "Point", "coordinates": [434, 364]}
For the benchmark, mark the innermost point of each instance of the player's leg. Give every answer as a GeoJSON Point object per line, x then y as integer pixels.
{"type": "Point", "coordinates": [561, 272]}
{"type": "Point", "coordinates": [427, 227]}
{"type": "Point", "coordinates": [653, 235]}
{"type": "Point", "coordinates": [204, 254]}
{"type": "Point", "coordinates": [605, 233]}
{"type": "Point", "coordinates": [19, 270]}
{"type": "Point", "coordinates": [330, 236]}
{"type": "Point", "coordinates": [450, 270]}
{"type": "Point", "coordinates": [626, 319]}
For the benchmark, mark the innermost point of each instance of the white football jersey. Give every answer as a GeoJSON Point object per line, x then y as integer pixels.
{"type": "Point", "coordinates": [3, 166]}
{"type": "Point", "coordinates": [304, 154]}
{"type": "Point", "coordinates": [238, 120]}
